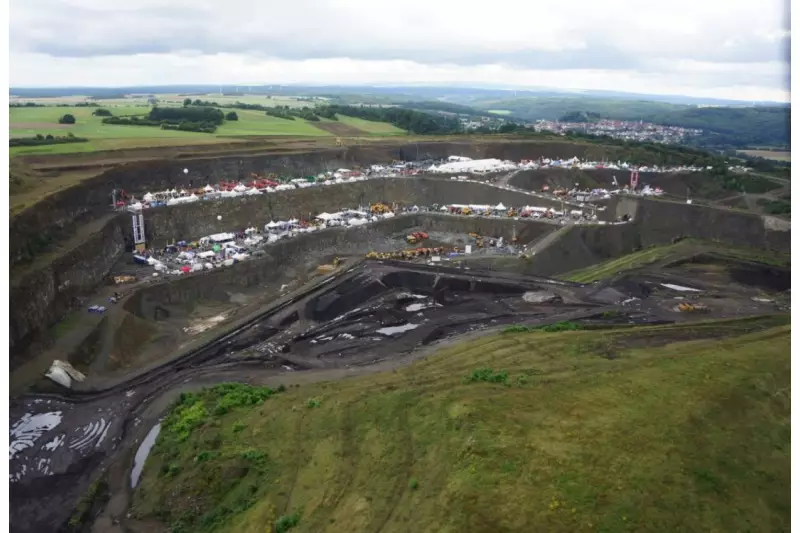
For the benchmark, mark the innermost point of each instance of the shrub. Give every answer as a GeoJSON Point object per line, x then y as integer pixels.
{"type": "Point", "coordinates": [488, 375]}
{"type": "Point", "coordinates": [313, 402]}
{"type": "Point", "coordinates": [287, 522]}
{"type": "Point", "coordinates": [101, 112]}
{"type": "Point", "coordinates": [231, 115]}
{"type": "Point", "coordinates": [67, 119]}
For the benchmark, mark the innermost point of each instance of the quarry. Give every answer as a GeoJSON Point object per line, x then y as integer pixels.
{"type": "Point", "coordinates": [156, 278]}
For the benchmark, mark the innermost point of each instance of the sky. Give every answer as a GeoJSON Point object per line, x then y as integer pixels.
{"type": "Point", "coordinates": [737, 49]}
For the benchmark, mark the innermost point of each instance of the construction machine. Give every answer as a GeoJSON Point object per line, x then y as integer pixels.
{"type": "Point", "coordinates": [379, 209]}
{"type": "Point", "coordinates": [416, 237]}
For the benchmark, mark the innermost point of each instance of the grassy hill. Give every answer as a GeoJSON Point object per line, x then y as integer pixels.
{"type": "Point", "coordinates": [636, 429]}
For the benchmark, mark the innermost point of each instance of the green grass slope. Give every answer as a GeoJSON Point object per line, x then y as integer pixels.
{"type": "Point", "coordinates": [657, 254]}
{"type": "Point", "coordinates": [677, 428]}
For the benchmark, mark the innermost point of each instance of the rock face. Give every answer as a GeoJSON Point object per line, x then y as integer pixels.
{"type": "Point", "coordinates": [40, 297]}
{"type": "Point", "coordinates": [542, 297]}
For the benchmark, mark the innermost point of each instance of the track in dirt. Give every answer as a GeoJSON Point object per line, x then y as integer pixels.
{"type": "Point", "coordinates": [337, 128]}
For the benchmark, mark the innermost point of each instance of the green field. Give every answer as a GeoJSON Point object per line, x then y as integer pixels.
{"type": "Point", "coordinates": [29, 121]}
{"type": "Point", "coordinates": [499, 111]}
{"type": "Point", "coordinates": [679, 431]}
{"type": "Point", "coordinates": [777, 155]}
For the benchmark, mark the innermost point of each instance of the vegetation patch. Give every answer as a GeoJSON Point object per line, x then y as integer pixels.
{"type": "Point", "coordinates": [88, 506]}
{"type": "Point", "coordinates": [43, 140]}
{"type": "Point", "coordinates": [423, 449]}
{"type": "Point", "coordinates": [547, 328]}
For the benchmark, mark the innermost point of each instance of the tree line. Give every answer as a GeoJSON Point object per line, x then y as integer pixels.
{"type": "Point", "coordinates": [41, 140]}
{"type": "Point", "coordinates": [416, 122]}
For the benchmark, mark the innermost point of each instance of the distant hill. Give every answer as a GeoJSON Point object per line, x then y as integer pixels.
{"type": "Point", "coordinates": [455, 93]}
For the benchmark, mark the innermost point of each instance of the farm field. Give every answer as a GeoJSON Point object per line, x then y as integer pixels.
{"type": "Point", "coordinates": [29, 121]}
{"type": "Point", "coordinates": [777, 155]}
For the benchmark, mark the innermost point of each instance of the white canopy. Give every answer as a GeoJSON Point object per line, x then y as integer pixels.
{"type": "Point", "coordinates": [221, 237]}
{"type": "Point", "coordinates": [148, 197]}
{"type": "Point", "coordinates": [253, 192]}
{"type": "Point", "coordinates": [208, 188]}
{"type": "Point", "coordinates": [500, 206]}
{"type": "Point", "coordinates": [240, 188]}
{"type": "Point", "coordinates": [273, 224]}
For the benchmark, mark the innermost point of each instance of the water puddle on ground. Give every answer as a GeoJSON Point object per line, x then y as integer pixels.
{"type": "Point", "coordinates": [396, 329]}
{"type": "Point", "coordinates": [142, 453]}
{"type": "Point", "coordinates": [679, 287]}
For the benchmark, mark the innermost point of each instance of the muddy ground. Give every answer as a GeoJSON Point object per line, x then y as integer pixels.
{"type": "Point", "coordinates": [368, 317]}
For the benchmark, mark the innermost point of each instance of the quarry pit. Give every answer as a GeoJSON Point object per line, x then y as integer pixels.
{"type": "Point", "coordinates": [279, 319]}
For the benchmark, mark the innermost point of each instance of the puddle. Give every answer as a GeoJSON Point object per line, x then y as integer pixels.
{"type": "Point", "coordinates": [418, 307]}
{"type": "Point", "coordinates": [29, 428]}
{"type": "Point", "coordinates": [679, 287]}
{"type": "Point", "coordinates": [142, 453]}
{"type": "Point", "coordinates": [397, 329]}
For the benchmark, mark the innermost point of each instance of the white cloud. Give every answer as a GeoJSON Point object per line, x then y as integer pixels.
{"type": "Point", "coordinates": [687, 46]}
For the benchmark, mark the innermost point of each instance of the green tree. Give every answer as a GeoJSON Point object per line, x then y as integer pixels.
{"type": "Point", "coordinates": [67, 119]}
{"type": "Point", "coordinates": [101, 112]}
{"type": "Point", "coordinates": [232, 116]}
{"type": "Point", "coordinates": [187, 102]}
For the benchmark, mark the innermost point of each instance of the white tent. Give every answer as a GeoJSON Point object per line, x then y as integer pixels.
{"type": "Point", "coordinates": [500, 207]}
{"type": "Point", "coordinates": [253, 192]}
{"type": "Point", "coordinates": [221, 237]}
{"type": "Point", "coordinates": [148, 197]}
{"type": "Point", "coordinates": [272, 224]}
{"type": "Point", "coordinates": [208, 188]}
{"type": "Point", "coordinates": [240, 188]}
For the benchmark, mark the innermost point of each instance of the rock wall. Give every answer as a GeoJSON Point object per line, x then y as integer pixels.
{"type": "Point", "coordinates": [42, 296]}
{"type": "Point", "coordinates": [288, 258]}
{"type": "Point", "coordinates": [56, 217]}
{"type": "Point", "coordinates": [656, 223]}
{"type": "Point", "coordinates": [167, 224]}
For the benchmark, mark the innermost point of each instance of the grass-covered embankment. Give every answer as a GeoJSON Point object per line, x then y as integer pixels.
{"type": "Point", "coordinates": [677, 428]}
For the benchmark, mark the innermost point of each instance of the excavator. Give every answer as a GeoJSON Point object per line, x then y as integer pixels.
{"type": "Point", "coordinates": [416, 237]}
{"type": "Point", "coordinates": [379, 209]}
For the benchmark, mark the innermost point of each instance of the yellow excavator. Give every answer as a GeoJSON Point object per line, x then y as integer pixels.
{"type": "Point", "coordinates": [379, 209]}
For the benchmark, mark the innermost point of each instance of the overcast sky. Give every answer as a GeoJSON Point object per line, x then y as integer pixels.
{"type": "Point", "coordinates": [729, 49]}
